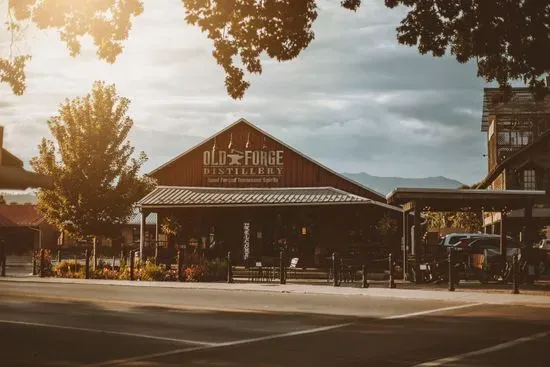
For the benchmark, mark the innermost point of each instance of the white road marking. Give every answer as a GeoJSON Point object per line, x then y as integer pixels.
{"type": "Point", "coordinates": [218, 345]}
{"type": "Point", "coordinates": [99, 331]}
{"type": "Point", "coordinates": [443, 361]}
{"type": "Point", "coordinates": [420, 313]}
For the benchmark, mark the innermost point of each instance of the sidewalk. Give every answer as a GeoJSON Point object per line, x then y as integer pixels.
{"type": "Point", "coordinates": [460, 295]}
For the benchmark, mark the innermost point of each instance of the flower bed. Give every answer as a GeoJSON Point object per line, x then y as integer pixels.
{"type": "Point", "coordinates": [199, 271]}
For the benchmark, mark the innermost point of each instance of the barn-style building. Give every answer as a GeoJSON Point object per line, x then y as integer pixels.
{"type": "Point", "coordinates": [243, 190]}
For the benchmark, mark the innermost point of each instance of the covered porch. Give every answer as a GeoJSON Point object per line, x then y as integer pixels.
{"type": "Point", "coordinates": [254, 223]}
{"type": "Point", "coordinates": [503, 202]}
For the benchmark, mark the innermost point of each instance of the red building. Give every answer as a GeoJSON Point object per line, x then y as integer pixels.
{"type": "Point", "coordinates": [243, 190]}
{"type": "Point", "coordinates": [23, 229]}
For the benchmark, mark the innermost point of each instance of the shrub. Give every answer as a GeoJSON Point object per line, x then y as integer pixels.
{"type": "Point", "coordinates": [124, 273]}
{"type": "Point", "coordinates": [152, 272]}
{"type": "Point", "coordinates": [105, 273]}
{"type": "Point", "coordinates": [196, 272]}
{"type": "Point", "coordinates": [64, 268]}
{"type": "Point", "coordinates": [170, 275]}
{"type": "Point", "coordinates": [47, 264]}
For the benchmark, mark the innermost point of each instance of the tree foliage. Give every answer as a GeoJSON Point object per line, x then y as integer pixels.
{"type": "Point", "coordinates": [170, 226]}
{"type": "Point", "coordinates": [387, 226]}
{"type": "Point", "coordinates": [470, 222]}
{"type": "Point", "coordinates": [107, 22]}
{"type": "Point", "coordinates": [95, 175]}
{"type": "Point", "coordinates": [508, 39]}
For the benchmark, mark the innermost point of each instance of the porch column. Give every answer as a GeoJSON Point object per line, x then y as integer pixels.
{"type": "Point", "coordinates": [405, 241]}
{"type": "Point", "coordinates": [528, 226]}
{"type": "Point", "coordinates": [157, 229]}
{"type": "Point", "coordinates": [502, 233]}
{"type": "Point", "coordinates": [416, 234]}
{"type": "Point", "coordinates": [144, 215]}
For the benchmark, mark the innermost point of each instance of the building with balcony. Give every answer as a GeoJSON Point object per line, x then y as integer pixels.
{"type": "Point", "coordinates": [518, 151]}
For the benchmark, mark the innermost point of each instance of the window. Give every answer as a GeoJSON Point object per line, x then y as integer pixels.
{"type": "Point", "coordinates": [515, 138]}
{"type": "Point", "coordinates": [529, 180]}
{"type": "Point", "coordinates": [455, 239]}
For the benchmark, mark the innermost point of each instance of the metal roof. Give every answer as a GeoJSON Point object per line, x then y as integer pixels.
{"type": "Point", "coordinates": [455, 199]}
{"type": "Point", "coordinates": [20, 216]}
{"type": "Point", "coordinates": [251, 125]}
{"type": "Point", "coordinates": [175, 196]}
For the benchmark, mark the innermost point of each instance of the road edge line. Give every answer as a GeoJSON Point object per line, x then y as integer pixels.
{"type": "Point", "coordinates": [218, 345]}
{"type": "Point", "coordinates": [420, 313]}
{"type": "Point", "coordinates": [494, 348]}
{"type": "Point", "coordinates": [99, 331]}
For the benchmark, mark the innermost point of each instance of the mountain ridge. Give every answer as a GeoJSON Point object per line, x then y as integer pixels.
{"type": "Point", "coordinates": [385, 185]}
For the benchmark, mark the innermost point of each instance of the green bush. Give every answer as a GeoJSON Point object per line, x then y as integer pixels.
{"type": "Point", "coordinates": [65, 267]}
{"type": "Point", "coordinates": [150, 271]}
{"type": "Point", "coordinates": [105, 273]}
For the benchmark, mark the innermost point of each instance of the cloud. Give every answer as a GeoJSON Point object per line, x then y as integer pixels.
{"type": "Point", "coordinates": [354, 100]}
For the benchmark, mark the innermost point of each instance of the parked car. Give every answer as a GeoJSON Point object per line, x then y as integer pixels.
{"type": "Point", "coordinates": [543, 256]}
{"type": "Point", "coordinates": [453, 238]}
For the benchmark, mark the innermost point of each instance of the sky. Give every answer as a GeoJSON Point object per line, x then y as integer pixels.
{"type": "Point", "coordinates": [354, 100]}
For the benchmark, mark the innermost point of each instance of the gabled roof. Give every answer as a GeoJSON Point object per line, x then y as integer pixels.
{"type": "Point", "coordinates": [20, 216]}
{"type": "Point", "coordinates": [174, 196]}
{"type": "Point", "coordinates": [244, 121]}
{"type": "Point", "coordinates": [542, 139]}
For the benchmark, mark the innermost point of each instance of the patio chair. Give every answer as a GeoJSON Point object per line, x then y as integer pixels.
{"type": "Point", "coordinates": [293, 265]}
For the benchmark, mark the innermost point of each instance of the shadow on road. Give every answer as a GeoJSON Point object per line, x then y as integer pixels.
{"type": "Point", "coordinates": [367, 341]}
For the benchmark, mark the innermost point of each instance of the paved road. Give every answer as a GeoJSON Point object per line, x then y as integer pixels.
{"type": "Point", "coordinates": [67, 324]}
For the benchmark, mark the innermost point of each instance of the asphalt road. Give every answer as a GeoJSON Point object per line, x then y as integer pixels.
{"type": "Point", "coordinates": [79, 325]}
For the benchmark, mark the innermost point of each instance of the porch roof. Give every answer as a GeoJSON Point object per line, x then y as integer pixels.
{"type": "Point", "coordinates": [464, 199]}
{"type": "Point", "coordinates": [176, 196]}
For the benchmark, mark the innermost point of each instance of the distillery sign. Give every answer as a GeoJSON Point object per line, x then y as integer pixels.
{"type": "Point", "coordinates": [243, 166]}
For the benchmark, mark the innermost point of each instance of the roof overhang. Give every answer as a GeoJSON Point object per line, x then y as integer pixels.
{"type": "Point", "coordinates": [17, 178]}
{"type": "Point", "coordinates": [464, 199]}
{"type": "Point", "coordinates": [167, 197]}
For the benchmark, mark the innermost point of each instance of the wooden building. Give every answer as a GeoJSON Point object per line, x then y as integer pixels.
{"type": "Point", "coordinates": [518, 141]}
{"type": "Point", "coordinates": [23, 229]}
{"type": "Point", "coordinates": [243, 190]}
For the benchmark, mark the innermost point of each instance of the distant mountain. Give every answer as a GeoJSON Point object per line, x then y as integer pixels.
{"type": "Point", "coordinates": [19, 198]}
{"type": "Point", "coordinates": [385, 185]}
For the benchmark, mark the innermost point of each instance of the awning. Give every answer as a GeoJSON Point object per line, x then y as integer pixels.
{"type": "Point", "coordinates": [176, 197]}
{"type": "Point", "coordinates": [17, 178]}
{"type": "Point", "coordinates": [464, 199]}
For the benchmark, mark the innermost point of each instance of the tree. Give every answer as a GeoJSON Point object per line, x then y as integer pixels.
{"type": "Point", "coordinates": [108, 22]}
{"type": "Point", "coordinates": [508, 39]}
{"type": "Point", "coordinates": [171, 227]}
{"type": "Point", "coordinates": [387, 228]}
{"type": "Point", "coordinates": [95, 175]}
{"type": "Point", "coordinates": [466, 220]}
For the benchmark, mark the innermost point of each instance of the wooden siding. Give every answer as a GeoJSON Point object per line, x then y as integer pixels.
{"type": "Point", "coordinates": [188, 169]}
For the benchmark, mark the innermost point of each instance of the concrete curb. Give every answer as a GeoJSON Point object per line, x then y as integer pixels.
{"type": "Point", "coordinates": [458, 296]}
